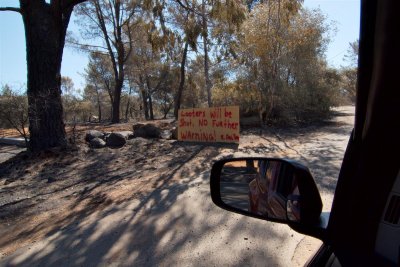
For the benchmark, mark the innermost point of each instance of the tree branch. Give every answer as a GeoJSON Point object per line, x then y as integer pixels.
{"type": "Point", "coordinates": [15, 9]}
{"type": "Point", "coordinates": [71, 3]}
{"type": "Point", "coordinates": [85, 47]}
{"type": "Point", "coordinates": [187, 7]}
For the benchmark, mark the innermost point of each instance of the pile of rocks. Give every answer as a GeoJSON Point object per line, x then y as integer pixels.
{"type": "Point", "coordinates": [99, 139]}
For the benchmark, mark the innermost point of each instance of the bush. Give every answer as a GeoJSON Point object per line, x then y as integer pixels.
{"type": "Point", "coordinates": [14, 111]}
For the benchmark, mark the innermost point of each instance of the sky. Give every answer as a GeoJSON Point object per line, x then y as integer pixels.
{"type": "Point", "coordinates": [344, 13]}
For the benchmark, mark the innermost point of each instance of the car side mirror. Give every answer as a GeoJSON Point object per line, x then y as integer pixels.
{"type": "Point", "coordinates": [267, 188]}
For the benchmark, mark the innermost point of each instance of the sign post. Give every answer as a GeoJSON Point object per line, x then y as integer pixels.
{"type": "Point", "coordinates": [217, 124]}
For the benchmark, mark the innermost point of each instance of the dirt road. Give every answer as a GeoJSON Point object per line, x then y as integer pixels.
{"type": "Point", "coordinates": [131, 207]}
{"type": "Point", "coordinates": [7, 152]}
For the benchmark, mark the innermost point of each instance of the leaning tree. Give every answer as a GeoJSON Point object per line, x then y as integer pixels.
{"type": "Point", "coordinates": [45, 25]}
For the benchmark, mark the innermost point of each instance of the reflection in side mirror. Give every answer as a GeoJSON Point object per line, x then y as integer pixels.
{"type": "Point", "coordinates": [264, 187]}
{"type": "Point", "coordinates": [271, 189]}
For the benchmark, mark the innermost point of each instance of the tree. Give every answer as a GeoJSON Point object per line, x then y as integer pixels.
{"type": "Point", "coordinates": [207, 15]}
{"type": "Point", "coordinates": [182, 77]}
{"type": "Point", "coordinates": [45, 29]}
{"type": "Point", "coordinates": [185, 18]}
{"type": "Point", "coordinates": [111, 21]}
{"type": "Point", "coordinates": [352, 54]}
{"type": "Point", "coordinates": [14, 111]}
{"type": "Point", "coordinates": [75, 108]}
{"type": "Point", "coordinates": [68, 99]}
{"type": "Point", "coordinates": [349, 73]}
{"type": "Point", "coordinates": [100, 80]}
{"type": "Point", "coordinates": [67, 85]}
{"type": "Point", "coordinates": [280, 64]}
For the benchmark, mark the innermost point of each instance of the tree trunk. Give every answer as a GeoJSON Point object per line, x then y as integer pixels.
{"type": "Point", "coordinates": [127, 110]}
{"type": "Point", "coordinates": [98, 103]}
{"type": "Point", "coordinates": [128, 102]}
{"type": "Point", "coordinates": [45, 29]}
{"type": "Point", "coordinates": [116, 102]}
{"type": "Point", "coordinates": [206, 59]}
{"type": "Point", "coordinates": [99, 109]}
{"type": "Point", "coordinates": [144, 98]}
{"type": "Point", "coordinates": [181, 83]}
{"type": "Point", "coordinates": [151, 107]}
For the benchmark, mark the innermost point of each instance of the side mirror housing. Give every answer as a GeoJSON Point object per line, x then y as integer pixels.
{"type": "Point", "coordinates": [270, 189]}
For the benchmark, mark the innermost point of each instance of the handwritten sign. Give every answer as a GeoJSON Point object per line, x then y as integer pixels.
{"type": "Point", "coordinates": [219, 124]}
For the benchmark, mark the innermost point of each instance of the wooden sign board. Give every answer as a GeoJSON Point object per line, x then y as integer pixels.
{"type": "Point", "coordinates": [218, 124]}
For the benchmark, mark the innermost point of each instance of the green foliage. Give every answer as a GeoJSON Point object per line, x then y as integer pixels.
{"type": "Point", "coordinates": [352, 54]}
{"type": "Point", "coordinates": [14, 110]}
{"type": "Point", "coordinates": [281, 48]}
{"type": "Point", "coordinates": [349, 73]}
{"type": "Point", "coordinates": [265, 56]}
{"type": "Point", "coordinates": [75, 108]}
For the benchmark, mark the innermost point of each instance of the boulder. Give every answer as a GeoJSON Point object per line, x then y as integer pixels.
{"type": "Point", "coordinates": [106, 135]}
{"type": "Point", "coordinates": [97, 143]}
{"type": "Point", "coordinates": [116, 140]}
{"type": "Point", "coordinates": [93, 134]}
{"type": "Point", "coordinates": [137, 126]}
{"type": "Point", "coordinates": [166, 134]}
{"type": "Point", "coordinates": [146, 131]}
{"type": "Point", "coordinates": [127, 134]}
{"type": "Point", "coordinates": [93, 118]}
{"type": "Point", "coordinates": [174, 133]}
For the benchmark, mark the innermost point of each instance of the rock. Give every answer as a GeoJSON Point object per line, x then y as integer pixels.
{"type": "Point", "coordinates": [97, 143]}
{"type": "Point", "coordinates": [137, 126]}
{"type": "Point", "coordinates": [127, 134]}
{"type": "Point", "coordinates": [174, 133]}
{"type": "Point", "coordinates": [106, 135]}
{"type": "Point", "coordinates": [116, 140]}
{"type": "Point", "coordinates": [93, 118]}
{"type": "Point", "coordinates": [93, 134]}
{"type": "Point", "coordinates": [146, 131]}
{"type": "Point", "coordinates": [166, 134]}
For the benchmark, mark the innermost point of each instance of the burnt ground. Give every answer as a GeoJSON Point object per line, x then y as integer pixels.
{"type": "Point", "coordinates": [41, 194]}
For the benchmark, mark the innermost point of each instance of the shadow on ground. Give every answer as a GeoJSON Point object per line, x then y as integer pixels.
{"type": "Point", "coordinates": [170, 224]}
{"type": "Point", "coordinates": [133, 207]}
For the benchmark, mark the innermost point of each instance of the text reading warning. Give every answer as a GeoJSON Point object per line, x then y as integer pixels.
{"type": "Point", "coordinates": [219, 124]}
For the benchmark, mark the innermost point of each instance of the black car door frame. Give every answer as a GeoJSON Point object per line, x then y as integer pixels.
{"type": "Point", "coordinates": [370, 164]}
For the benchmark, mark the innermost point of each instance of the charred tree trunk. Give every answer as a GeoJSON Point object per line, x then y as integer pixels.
{"type": "Point", "coordinates": [45, 30]}
{"type": "Point", "coordinates": [151, 107]}
{"type": "Point", "coordinates": [116, 102]}
{"type": "Point", "coordinates": [144, 98]}
{"type": "Point", "coordinates": [206, 59]}
{"type": "Point", "coordinates": [178, 96]}
{"type": "Point", "coordinates": [98, 104]}
{"type": "Point", "coordinates": [128, 104]}
{"type": "Point", "coordinates": [149, 93]}
{"type": "Point", "coordinates": [145, 105]}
